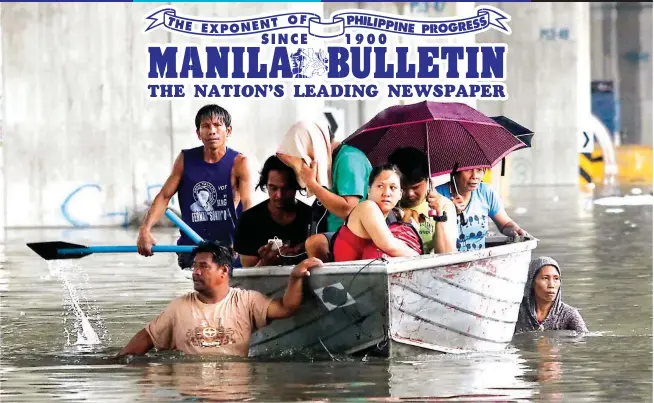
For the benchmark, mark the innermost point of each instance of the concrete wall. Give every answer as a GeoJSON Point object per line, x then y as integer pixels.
{"type": "Point", "coordinates": [548, 80]}
{"type": "Point", "coordinates": [84, 144]}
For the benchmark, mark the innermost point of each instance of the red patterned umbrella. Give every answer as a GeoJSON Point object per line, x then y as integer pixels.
{"type": "Point", "coordinates": [450, 134]}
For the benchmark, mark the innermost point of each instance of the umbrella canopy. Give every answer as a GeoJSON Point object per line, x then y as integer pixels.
{"type": "Point", "coordinates": [516, 129]}
{"type": "Point", "coordinates": [448, 133]}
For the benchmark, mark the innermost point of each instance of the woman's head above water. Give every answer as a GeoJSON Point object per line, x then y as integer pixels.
{"type": "Point", "coordinates": [545, 278]}
{"type": "Point", "coordinates": [384, 186]}
{"type": "Point", "coordinates": [546, 284]}
{"type": "Point", "coordinates": [542, 307]}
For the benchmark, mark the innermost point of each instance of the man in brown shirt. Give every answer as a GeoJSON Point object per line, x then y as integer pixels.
{"type": "Point", "coordinates": [216, 318]}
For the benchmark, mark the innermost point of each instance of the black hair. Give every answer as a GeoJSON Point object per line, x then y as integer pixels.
{"type": "Point", "coordinates": [210, 111]}
{"type": "Point", "coordinates": [223, 255]}
{"type": "Point", "coordinates": [412, 162]}
{"type": "Point", "coordinates": [273, 163]}
{"type": "Point", "coordinates": [381, 168]}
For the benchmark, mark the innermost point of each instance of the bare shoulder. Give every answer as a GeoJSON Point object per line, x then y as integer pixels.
{"type": "Point", "coordinates": [367, 205]}
{"type": "Point", "coordinates": [363, 209]}
{"type": "Point", "coordinates": [240, 164]}
{"type": "Point", "coordinates": [178, 164]}
{"type": "Point", "coordinates": [240, 160]}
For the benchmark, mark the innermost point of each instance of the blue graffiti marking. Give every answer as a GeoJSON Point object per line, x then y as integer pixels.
{"type": "Point", "coordinates": [151, 191]}
{"type": "Point", "coordinates": [125, 215]}
{"type": "Point", "coordinates": [80, 224]}
{"type": "Point", "coordinates": [64, 205]}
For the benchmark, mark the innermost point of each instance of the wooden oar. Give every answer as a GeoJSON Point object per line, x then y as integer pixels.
{"type": "Point", "coordinates": [66, 250]}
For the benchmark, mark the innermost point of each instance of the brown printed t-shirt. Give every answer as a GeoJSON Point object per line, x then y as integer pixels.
{"type": "Point", "coordinates": [189, 325]}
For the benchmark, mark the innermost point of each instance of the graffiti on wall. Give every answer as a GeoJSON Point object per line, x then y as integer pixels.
{"type": "Point", "coordinates": [83, 206]}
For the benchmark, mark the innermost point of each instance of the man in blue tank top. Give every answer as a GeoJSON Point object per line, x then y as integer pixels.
{"type": "Point", "coordinates": [213, 186]}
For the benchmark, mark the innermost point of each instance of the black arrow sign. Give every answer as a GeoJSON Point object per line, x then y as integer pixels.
{"type": "Point", "coordinates": [587, 139]}
{"type": "Point", "coordinates": [333, 126]}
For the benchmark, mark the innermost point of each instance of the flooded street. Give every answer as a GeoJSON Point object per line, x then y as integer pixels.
{"type": "Point", "coordinates": [52, 314]}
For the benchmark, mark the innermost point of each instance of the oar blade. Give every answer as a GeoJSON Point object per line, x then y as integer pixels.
{"type": "Point", "coordinates": [50, 250]}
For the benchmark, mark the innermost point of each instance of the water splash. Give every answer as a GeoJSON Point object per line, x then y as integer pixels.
{"type": "Point", "coordinates": [66, 271]}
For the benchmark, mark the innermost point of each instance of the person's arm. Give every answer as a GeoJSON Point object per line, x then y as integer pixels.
{"type": "Point", "coordinates": [373, 222]}
{"type": "Point", "coordinates": [499, 216]}
{"type": "Point", "coordinates": [157, 333]}
{"type": "Point", "coordinates": [340, 206]}
{"type": "Point", "coordinates": [248, 261]}
{"type": "Point", "coordinates": [267, 255]}
{"type": "Point", "coordinates": [292, 251]}
{"type": "Point", "coordinates": [159, 204]}
{"type": "Point", "coordinates": [140, 344]}
{"type": "Point", "coordinates": [506, 225]}
{"type": "Point", "coordinates": [243, 181]}
{"type": "Point", "coordinates": [576, 322]}
{"type": "Point", "coordinates": [446, 233]}
{"type": "Point", "coordinates": [286, 306]}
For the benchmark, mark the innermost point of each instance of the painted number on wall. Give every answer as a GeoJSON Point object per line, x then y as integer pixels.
{"type": "Point", "coordinates": [636, 57]}
{"type": "Point", "coordinates": [553, 34]}
{"type": "Point", "coordinates": [424, 7]}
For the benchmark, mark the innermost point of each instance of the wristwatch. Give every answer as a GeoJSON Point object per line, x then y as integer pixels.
{"type": "Point", "coordinates": [441, 218]}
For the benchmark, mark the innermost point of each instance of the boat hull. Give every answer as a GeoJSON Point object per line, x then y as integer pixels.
{"type": "Point", "coordinates": [451, 303]}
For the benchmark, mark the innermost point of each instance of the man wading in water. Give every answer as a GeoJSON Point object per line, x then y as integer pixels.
{"type": "Point", "coordinates": [213, 182]}
{"type": "Point", "coordinates": [217, 319]}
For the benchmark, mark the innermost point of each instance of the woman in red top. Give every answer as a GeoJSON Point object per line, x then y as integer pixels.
{"type": "Point", "coordinates": [365, 229]}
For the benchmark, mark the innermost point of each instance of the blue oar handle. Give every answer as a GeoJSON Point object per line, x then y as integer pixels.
{"type": "Point", "coordinates": [188, 231]}
{"type": "Point", "coordinates": [124, 249]}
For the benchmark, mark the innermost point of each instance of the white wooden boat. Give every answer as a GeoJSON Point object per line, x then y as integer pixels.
{"type": "Point", "coordinates": [451, 303]}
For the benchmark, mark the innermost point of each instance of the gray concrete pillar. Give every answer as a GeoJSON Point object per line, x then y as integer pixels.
{"type": "Point", "coordinates": [548, 80]}
{"type": "Point", "coordinates": [629, 52]}
{"type": "Point", "coordinates": [647, 68]}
